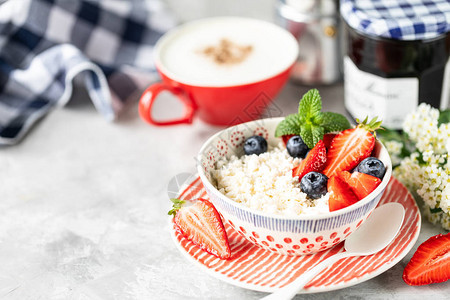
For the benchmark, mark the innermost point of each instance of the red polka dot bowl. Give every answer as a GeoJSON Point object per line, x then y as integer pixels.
{"type": "Point", "coordinates": [288, 235]}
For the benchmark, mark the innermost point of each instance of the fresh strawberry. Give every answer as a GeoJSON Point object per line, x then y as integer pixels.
{"type": "Point", "coordinates": [200, 223]}
{"type": "Point", "coordinates": [340, 194]}
{"type": "Point", "coordinates": [350, 147]}
{"type": "Point", "coordinates": [328, 138]}
{"type": "Point", "coordinates": [286, 138]}
{"type": "Point", "coordinates": [360, 183]}
{"type": "Point", "coordinates": [314, 161]}
{"type": "Point", "coordinates": [430, 263]}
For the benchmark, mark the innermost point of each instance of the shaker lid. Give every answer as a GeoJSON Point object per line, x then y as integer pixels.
{"type": "Point", "coordinates": [400, 19]}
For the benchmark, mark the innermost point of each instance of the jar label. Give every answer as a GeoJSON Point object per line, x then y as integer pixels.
{"type": "Point", "coordinates": [391, 99]}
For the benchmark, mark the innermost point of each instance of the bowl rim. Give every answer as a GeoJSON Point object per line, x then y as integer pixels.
{"type": "Point", "coordinates": [360, 203]}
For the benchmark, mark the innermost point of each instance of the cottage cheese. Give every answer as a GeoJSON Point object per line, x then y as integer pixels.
{"type": "Point", "coordinates": [265, 183]}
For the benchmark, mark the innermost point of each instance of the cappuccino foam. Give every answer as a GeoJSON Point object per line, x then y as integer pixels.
{"type": "Point", "coordinates": [182, 55]}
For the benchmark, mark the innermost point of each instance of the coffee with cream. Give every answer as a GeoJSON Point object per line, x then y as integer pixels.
{"type": "Point", "coordinates": [226, 51]}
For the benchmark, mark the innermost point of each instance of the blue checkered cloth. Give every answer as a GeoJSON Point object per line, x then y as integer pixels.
{"type": "Point", "coordinates": [398, 19]}
{"type": "Point", "coordinates": [44, 44]}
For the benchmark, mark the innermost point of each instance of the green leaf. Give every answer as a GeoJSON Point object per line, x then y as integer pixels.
{"type": "Point", "coordinates": [444, 117]}
{"type": "Point", "coordinates": [420, 159]}
{"type": "Point", "coordinates": [290, 125]}
{"type": "Point", "coordinates": [311, 134]}
{"type": "Point", "coordinates": [387, 134]}
{"type": "Point", "coordinates": [334, 122]}
{"type": "Point", "coordinates": [310, 106]}
{"type": "Point", "coordinates": [371, 125]}
{"type": "Point", "coordinates": [391, 135]}
{"type": "Point", "coordinates": [436, 210]}
{"type": "Point", "coordinates": [177, 204]}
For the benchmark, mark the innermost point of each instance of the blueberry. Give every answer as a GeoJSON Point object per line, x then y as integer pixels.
{"type": "Point", "coordinates": [255, 145]}
{"type": "Point", "coordinates": [296, 147]}
{"type": "Point", "coordinates": [372, 166]}
{"type": "Point", "coordinates": [314, 185]}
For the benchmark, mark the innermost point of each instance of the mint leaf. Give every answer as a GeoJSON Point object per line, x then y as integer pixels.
{"type": "Point", "coordinates": [290, 125]}
{"type": "Point", "coordinates": [310, 106]}
{"type": "Point", "coordinates": [334, 122]}
{"type": "Point", "coordinates": [311, 118]}
{"type": "Point", "coordinates": [310, 123]}
{"type": "Point", "coordinates": [311, 134]}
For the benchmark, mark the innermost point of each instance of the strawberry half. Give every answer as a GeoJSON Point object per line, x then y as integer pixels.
{"type": "Point", "coordinates": [350, 147]}
{"type": "Point", "coordinates": [340, 194]}
{"type": "Point", "coordinates": [361, 184]}
{"type": "Point", "coordinates": [314, 161]}
{"type": "Point", "coordinates": [199, 222]}
{"type": "Point", "coordinates": [328, 138]}
{"type": "Point", "coordinates": [430, 263]}
{"type": "Point", "coordinates": [286, 138]}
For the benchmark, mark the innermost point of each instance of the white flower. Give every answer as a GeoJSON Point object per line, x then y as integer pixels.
{"type": "Point", "coordinates": [445, 200]}
{"type": "Point", "coordinates": [393, 147]}
{"type": "Point", "coordinates": [426, 172]}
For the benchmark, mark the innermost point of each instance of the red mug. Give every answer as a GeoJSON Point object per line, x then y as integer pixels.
{"type": "Point", "coordinates": [221, 104]}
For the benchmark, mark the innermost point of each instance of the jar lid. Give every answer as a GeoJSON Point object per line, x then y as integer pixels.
{"type": "Point", "coordinates": [400, 19]}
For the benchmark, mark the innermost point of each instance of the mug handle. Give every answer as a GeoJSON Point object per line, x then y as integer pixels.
{"type": "Point", "coordinates": [148, 99]}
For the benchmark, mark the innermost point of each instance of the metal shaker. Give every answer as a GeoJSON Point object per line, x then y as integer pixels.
{"type": "Point", "coordinates": [315, 24]}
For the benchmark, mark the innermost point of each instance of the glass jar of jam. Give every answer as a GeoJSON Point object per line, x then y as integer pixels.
{"type": "Point", "coordinates": [391, 67]}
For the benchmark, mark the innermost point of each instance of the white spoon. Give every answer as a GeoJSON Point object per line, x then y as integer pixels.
{"type": "Point", "coordinates": [374, 235]}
